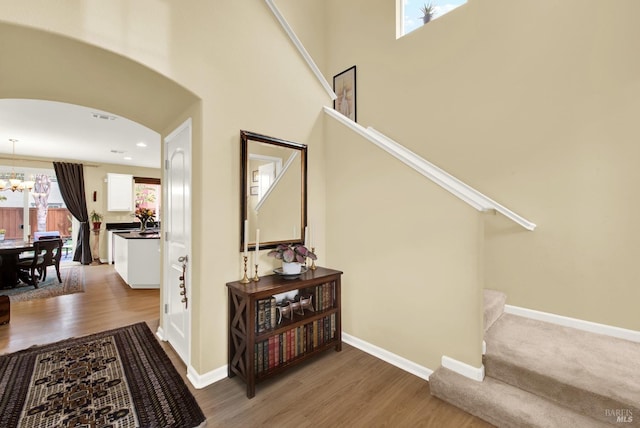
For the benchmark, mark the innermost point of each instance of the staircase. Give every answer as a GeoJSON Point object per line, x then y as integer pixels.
{"type": "Point", "coordinates": [544, 375]}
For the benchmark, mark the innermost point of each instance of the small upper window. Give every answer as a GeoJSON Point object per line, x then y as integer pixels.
{"type": "Point", "coordinates": [416, 13]}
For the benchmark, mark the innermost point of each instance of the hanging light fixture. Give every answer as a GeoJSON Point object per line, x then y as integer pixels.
{"type": "Point", "coordinates": [14, 182]}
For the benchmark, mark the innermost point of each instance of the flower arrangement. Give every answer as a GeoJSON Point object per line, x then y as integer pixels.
{"type": "Point", "coordinates": [3, 231]}
{"type": "Point", "coordinates": [144, 215]}
{"type": "Point", "coordinates": [292, 253]}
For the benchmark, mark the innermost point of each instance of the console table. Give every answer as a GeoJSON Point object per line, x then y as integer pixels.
{"type": "Point", "coordinates": [261, 344]}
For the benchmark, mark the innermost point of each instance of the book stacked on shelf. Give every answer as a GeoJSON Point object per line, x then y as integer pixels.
{"type": "Point", "coordinates": [286, 346]}
{"type": "Point", "coordinates": [323, 294]}
{"type": "Point", "coordinates": [265, 314]}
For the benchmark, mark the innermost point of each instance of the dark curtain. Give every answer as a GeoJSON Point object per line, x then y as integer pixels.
{"type": "Point", "coordinates": [71, 181]}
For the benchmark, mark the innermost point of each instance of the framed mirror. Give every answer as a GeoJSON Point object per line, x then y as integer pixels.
{"type": "Point", "coordinates": [273, 191]}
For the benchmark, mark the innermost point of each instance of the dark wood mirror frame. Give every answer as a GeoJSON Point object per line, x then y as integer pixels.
{"type": "Point", "coordinates": [245, 138]}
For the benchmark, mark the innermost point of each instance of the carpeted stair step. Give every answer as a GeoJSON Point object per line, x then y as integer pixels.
{"type": "Point", "coordinates": [504, 405]}
{"type": "Point", "coordinates": [493, 306]}
{"type": "Point", "coordinates": [592, 374]}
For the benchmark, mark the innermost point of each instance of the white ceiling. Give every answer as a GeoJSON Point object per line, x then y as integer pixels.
{"type": "Point", "coordinates": [70, 132]}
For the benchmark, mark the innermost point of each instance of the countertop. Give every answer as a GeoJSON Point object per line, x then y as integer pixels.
{"type": "Point", "coordinates": [135, 234]}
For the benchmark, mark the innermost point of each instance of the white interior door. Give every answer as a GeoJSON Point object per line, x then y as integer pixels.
{"type": "Point", "coordinates": [176, 223]}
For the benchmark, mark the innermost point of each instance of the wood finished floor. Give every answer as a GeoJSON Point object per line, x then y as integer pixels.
{"type": "Point", "coordinates": [338, 389]}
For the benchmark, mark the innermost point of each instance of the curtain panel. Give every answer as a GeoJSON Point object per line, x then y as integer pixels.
{"type": "Point", "coordinates": [71, 181]}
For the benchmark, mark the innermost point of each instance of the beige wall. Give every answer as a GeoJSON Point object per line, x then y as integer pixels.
{"type": "Point", "coordinates": [533, 103]}
{"type": "Point", "coordinates": [258, 83]}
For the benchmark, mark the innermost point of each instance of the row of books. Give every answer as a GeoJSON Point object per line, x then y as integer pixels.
{"type": "Point", "coordinates": [323, 296]}
{"type": "Point", "coordinates": [280, 348]}
{"type": "Point", "coordinates": [267, 317]}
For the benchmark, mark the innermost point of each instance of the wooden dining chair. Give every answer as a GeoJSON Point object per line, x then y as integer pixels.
{"type": "Point", "coordinates": [46, 253]}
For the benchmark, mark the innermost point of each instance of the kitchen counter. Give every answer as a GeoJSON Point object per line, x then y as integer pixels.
{"type": "Point", "coordinates": [136, 234]}
{"type": "Point", "coordinates": [137, 258]}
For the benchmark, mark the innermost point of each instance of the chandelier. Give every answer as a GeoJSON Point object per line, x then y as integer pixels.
{"type": "Point", "coordinates": [15, 181]}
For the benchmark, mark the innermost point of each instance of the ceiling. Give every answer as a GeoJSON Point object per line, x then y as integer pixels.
{"type": "Point", "coordinates": [48, 129]}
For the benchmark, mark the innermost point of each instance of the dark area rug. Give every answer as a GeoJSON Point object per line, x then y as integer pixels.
{"type": "Point", "coordinates": [119, 378]}
{"type": "Point", "coordinates": [72, 282]}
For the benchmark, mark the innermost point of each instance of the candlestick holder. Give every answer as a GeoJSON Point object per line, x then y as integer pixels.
{"type": "Point", "coordinates": [256, 278]}
{"type": "Point", "coordinates": [245, 279]}
{"type": "Point", "coordinates": [313, 262]}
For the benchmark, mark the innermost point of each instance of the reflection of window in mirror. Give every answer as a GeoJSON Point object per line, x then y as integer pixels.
{"type": "Point", "coordinates": [147, 193]}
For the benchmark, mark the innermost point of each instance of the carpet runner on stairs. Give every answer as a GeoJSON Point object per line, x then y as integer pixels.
{"type": "Point", "coordinates": [544, 375]}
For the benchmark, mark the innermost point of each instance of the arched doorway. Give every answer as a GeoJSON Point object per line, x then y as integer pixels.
{"type": "Point", "coordinates": [45, 66]}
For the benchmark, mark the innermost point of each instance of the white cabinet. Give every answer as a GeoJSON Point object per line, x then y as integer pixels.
{"type": "Point", "coordinates": [119, 192]}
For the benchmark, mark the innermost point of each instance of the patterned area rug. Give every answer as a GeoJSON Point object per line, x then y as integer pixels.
{"type": "Point", "coordinates": [72, 282]}
{"type": "Point", "coordinates": [119, 378]}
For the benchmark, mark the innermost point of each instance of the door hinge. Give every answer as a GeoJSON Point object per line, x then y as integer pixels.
{"type": "Point", "coordinates": [166, 164]}
{"type": "Point", "coordinates": [166, 308]}
{"type": "Point", "coordinates": [166, 236]}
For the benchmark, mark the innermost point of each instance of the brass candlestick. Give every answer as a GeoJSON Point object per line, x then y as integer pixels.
{"type": "Point", "coordinates": [245, 279]}
{"type": "Point", "coordinates": [256, 277]}
{"type": "Point", "coordinates": [313, 262]}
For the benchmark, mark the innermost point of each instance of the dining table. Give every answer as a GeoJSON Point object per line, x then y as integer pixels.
{"type": "Point", "coordinates": [10, 251]}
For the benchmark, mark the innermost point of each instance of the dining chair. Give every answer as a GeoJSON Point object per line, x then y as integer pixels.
{"type": "Point", "coordinates": [46, 253]}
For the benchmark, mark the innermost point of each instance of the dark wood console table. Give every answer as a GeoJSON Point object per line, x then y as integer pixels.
{"type": "Point", "coordinates": [260, 346]}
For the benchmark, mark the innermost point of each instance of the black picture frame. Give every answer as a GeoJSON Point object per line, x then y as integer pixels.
{"type": "Point", "coordinates": [344, 86]}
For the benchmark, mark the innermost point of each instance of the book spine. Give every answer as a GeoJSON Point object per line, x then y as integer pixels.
{"type": "Point", "coordinates": [259, 366]}
{"type": "Point", "coordinates": [272, 352]}
{"type": "Point", "coordinates": [260, 324]}
{"type": "Point", "coordinates": [273, 312]}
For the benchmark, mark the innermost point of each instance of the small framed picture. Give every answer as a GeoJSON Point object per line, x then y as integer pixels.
{"type": "Point", "coordinates": [254, 190]}
{"type": "Point", "coordinates": [254, 176]}
{"type": "Point", "coordinates": [344, 85]}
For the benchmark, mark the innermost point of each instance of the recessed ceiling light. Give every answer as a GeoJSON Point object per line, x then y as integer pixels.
{"type": "Point", "coordinates": [141, 144]}
{"type": "Point", "coordinates": [118, 152]}
{"type": "Point", "coordinates": [128, 158]}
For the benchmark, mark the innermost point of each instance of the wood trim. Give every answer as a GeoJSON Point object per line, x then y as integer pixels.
{"type": "Point", "coordinates": [146, 180]}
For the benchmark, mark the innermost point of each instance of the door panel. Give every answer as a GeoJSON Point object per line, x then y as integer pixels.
{"type": "Point", "coordinates": [177, 290]}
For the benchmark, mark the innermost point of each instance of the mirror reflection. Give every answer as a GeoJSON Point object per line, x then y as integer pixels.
{"type": "Point", "coordinates": [273, 192]}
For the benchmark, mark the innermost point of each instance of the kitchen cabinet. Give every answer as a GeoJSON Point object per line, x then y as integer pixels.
{"type": "Point", "coordinates": [119, 192]}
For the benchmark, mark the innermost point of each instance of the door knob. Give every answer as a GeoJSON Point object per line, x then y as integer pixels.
{"type": "Point", "coordinates": [183, 259]}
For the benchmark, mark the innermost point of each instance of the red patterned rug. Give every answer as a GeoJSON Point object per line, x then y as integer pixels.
{"type": "Point", "coordinates": [120, 378]}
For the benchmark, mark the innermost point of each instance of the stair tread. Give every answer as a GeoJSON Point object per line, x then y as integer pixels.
{"type": "Point", "coordinates": [599, 364]}
{"type": "Point", "coordinates": [504, 405]}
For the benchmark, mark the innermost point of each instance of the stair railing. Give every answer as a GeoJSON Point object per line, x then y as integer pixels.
{"type": "Point", "coordinates": [445, 180]}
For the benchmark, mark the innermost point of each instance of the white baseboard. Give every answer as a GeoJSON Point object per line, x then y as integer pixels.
{"type": "Point", "coordinates": [200, 381]}
{"type": "Point", "coordinates": [608, 330]}
{"type": "Point", "coordinates": [160, 333]}
{"type": "Point", "coordinates": [464, 369]}
{"type": "Point", "coordinates": [391, 358]}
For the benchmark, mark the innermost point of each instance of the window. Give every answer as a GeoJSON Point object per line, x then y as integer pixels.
{"type": "Point", "coordinates": [411, 13]}
{"type": "Point", "coordinates": [41, 210]}
{"type": "Point", "coordinates": [147, 192]}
